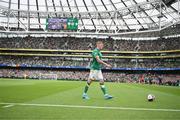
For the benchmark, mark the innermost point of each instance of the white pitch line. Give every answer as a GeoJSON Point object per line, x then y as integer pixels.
{"type": "Point", "coordinates": [7, 106]}
{"type": "Point", "coordinates": [92, 107]}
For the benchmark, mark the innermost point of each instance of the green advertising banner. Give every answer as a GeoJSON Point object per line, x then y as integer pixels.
{"type": "Point", "coordinates": [72, 23]}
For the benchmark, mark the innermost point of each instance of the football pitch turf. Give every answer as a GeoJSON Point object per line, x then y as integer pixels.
{"type": "Point", "coordinates": [48, 99]}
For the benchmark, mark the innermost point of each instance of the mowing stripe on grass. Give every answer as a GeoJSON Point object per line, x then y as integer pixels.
{"type": "Point", "coordinates": [91, 107]}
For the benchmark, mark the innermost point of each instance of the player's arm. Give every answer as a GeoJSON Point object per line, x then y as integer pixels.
{"type": "Point", "coordinates": [102, 62]}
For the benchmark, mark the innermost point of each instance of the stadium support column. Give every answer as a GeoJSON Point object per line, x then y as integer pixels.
{"type": "Point", "coordinates": [28, 16]}
{"type": "Point", "coordinates": [9, 7]}
{"type": "Point", "coordinates": [18, 12]}
{"type": "Point", "coordinates": [37, 6]}
{"type": "Point", "coordinates": [179, 8]}
{"type": "Point", "coordinates": [54, 8]}
{"type": "Point", "coordinates": [61, 6]}
{"type": "Point", "coordinates": [47, 10]}
{"type": "Point", "coordinates": [160, 3]}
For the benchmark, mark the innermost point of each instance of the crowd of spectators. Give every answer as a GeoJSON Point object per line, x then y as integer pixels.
{"type": "Point", "coordinates": [119, 77]}
{"type": "Point", "coordinates": [86, 44]}
{"type": "Point", "coordinates": [89, 43]}
{"type": "Point", "coordinates": [59, 61]}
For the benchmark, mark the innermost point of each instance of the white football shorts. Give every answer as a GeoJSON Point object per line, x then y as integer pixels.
{"type": "Point", "coordinates": [96, 75]}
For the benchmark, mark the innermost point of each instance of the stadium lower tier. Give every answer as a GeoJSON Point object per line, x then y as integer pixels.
{"type": "Point", "coordinates": [85, 62]}
{"type": "Point", "coordinates": [110, 76]}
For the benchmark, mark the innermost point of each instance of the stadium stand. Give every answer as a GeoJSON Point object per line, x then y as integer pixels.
{"type": "Point", "coordinates": [33, 66]}
{"type": "Point", "coordinates": [88, 43]}
{"type": "Point", "coordinates": [119, 77]}
{"type": "Point", "coordinates": [59, 61]}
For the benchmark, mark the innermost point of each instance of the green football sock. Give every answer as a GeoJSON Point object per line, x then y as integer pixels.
{"type": "Point", "coordinates": [86, 88]}
{"type": "Point", "coordinates": [103, 88]}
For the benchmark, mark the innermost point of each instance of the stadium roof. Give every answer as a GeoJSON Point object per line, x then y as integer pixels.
{"type": "Point", "coordinates": [95, 16]}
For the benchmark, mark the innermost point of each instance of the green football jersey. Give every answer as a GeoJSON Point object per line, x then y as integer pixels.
{"type": "Point", "coordinates": [94, 63]}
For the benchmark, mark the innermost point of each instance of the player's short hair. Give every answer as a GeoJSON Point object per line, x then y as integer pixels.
{"type": "Point", "coordinates": [99, 42]}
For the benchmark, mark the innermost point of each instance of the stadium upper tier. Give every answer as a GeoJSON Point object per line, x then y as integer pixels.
{"type": "Point", "coordinates": [94, 16]}
{"type": "Point", "coordinates": [72, 43]}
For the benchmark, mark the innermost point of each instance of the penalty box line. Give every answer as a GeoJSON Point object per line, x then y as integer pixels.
{"type": "Point", "coordinates": [88, 107]}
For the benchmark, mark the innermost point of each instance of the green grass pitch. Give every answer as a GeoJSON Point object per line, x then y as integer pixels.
{"type": "Point", "coordinates": [44, 100]}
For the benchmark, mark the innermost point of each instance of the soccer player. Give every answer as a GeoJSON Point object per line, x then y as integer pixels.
{"type": "Point", "coordinates": [95, 71]}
